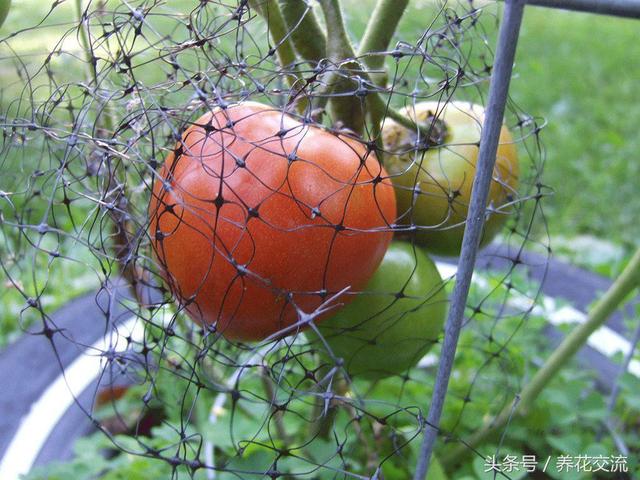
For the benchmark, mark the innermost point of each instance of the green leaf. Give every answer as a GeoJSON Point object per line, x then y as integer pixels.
{"type": "Point", "coordinates": [593, 407]}
{"type": "Point", "coordinates": [436, 472]}
{"type": "Point", "coordinates": [569, 444]}
{"type": "Point", "coordinates": [253, 462]}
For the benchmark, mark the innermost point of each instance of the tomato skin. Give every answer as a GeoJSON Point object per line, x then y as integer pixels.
{"type": "Point", "coordinates": [247, 225]}
{"type": "Point", "coordinates": [445, 175]}
{"type": "Point", "coordinates": [377, 334]}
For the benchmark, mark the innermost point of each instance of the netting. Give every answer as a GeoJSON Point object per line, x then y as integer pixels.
{"type": "Point", "coordinates": [220, 235]}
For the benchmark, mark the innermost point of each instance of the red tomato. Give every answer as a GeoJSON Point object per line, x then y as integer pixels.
{"type": "Point", "coordinates": [255, 214]}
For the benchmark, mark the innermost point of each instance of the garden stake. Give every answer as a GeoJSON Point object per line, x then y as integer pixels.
{"type": "Point", "coordinates": [623, 368]}
{"type": "Point", "coordinates": [619, 8]}
{"type": "Point", "coordinates": [609, 425]}
{"type": "Point", "coordinates": [628, 281]}
{"type": "Point", "coordinates": [499, 86]}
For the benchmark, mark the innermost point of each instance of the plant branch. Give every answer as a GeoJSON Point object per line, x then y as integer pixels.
{"type": "Point", "coordinates": [380, 29]}
{"type": "Point", "coordinates": [378, 33]}
{"type": "Point", "coordinates": [345, 106]}
{"type": "Point", "coordinates": [270, 11]}
{"type": "Point", "coordinates": [601, 311]}
{"type": "Point", "coordinates": [338, 43]}
{"type": "Point", "coordinates": [429, 133]}
{"type": "Point", "coordinates": [307, 37]}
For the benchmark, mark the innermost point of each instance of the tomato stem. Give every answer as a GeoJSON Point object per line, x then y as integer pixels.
{"type": "Point", "coordinates": [271, 13]}
{"type": "Point", "coordinates": [613, 299]}
{"type": "Point", "coordinates": [378, 33]}
{"type": "Point", "coordinates": [4, 10]}
{"type": "Point", "coordinates": [432, 132]}
{"type": "Point", "coordinates": [346, 81]}
{"type": "Point", "coordinates": [307, 37]}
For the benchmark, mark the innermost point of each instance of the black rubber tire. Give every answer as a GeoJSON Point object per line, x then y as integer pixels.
{"type": "Point", "coordinates": [40, 357]}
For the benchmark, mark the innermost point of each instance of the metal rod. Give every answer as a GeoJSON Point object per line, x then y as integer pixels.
{"type": "Point", "coordinates": [618, 8]}
{"type": "Point", "coordinates": [615, 391]}
{"type": "Point", "coordinates": [498, 89]}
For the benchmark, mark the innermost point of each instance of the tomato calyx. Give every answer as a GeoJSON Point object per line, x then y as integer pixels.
{"type": "Point", "coordinates": [437, 134]}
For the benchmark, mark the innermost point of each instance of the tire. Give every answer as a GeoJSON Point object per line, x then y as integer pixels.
{"type": "Point", "coordinates": [40, 357]}
{"type": "Point", "coordinates": [33, 357]}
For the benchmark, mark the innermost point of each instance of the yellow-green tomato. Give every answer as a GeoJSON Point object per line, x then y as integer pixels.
{"type": "Point", "coordinates": [392, 324]}
{"type": "Point", "coordinates": [433, 185]}
{"type": "Point", "coordinates": [4, 10]}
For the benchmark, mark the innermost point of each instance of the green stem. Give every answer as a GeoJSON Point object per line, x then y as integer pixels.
{"type": "Point", "coordinates": [601, 311]}
{"type": "Point", "coordinates": [307, 37]}
{"type": "Point", "coordinates": [380, 29]}
{"type": "Point", "coordinates": [278, 31]}
{"type": "Point", "coordinates": [430, 135]}
{"type": "Point", "coordinates": [344, 105]}
{"type": "Point", "coordinates": [4, 10]}
{"type": "Point", "coordinates": [338, 43]}
{"type": "Point", "coordinates": [377, 36]}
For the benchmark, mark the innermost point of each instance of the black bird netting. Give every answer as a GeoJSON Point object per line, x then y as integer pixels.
{"type": "Point", "coordinates": [228, 182]}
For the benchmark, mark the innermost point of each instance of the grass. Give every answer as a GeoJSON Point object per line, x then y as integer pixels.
{"type": "Point", "coordinates": [581, 72]}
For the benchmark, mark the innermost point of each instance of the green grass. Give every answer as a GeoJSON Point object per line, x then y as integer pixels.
{"type": "Point", "coordinates": [581, 72]}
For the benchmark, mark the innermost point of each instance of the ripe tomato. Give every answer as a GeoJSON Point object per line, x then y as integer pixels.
{"type": "Point", "coordinates": [255, 214]}
{"type": "Point", "coordinates": [5, 5]}
{"type": "Point", "coordinates": [433, 186]}
{"type": "Point", "coordinates": [394, 321]}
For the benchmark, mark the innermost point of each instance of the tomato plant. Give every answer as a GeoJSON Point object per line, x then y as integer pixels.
{"type": "Point", "coordinates": [5, 5]}
{"type": "Point", "coordinates": [433, 185]}
{"type": "Point", "coordinates": [255, 215]}
{"type": "Point", "coordinates": [392, 324]}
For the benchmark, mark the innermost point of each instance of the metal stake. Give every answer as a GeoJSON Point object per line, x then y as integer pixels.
{"type": "Point", "coordinates": [499, 86]}
{"type": "Point", "coordinates": [619, 8]}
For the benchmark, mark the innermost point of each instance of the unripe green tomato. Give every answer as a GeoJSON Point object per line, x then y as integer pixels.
{"type": "Point", "coordinates": [5, 5]}
{"type": "Point", "coordinates": [433, 186]}
{"type": "Point", "coordinates": [394, 322]}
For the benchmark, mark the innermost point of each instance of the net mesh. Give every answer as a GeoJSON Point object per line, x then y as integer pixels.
{"type": "Point", "coordinates": [94, 102]}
